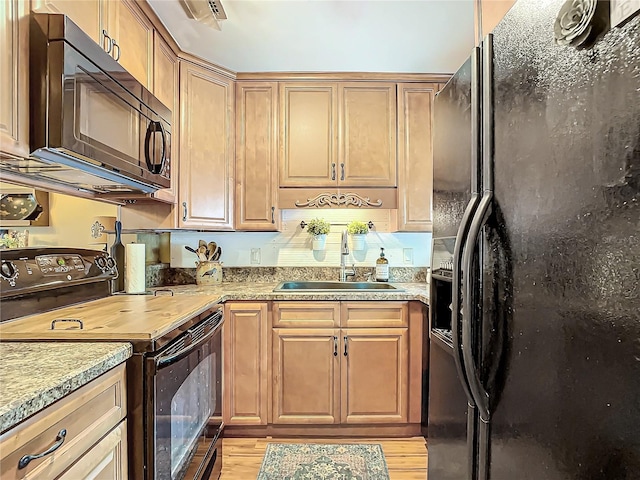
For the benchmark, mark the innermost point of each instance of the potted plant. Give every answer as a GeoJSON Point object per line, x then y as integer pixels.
{"type": "Point", "coordinates": [357, 230]}
{"type": "Point", "coordinates": [318, 229]}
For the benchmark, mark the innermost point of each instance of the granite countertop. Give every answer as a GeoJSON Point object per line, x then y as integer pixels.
{"type": "Point", "coordinates": [230, 291]}
{"type": "Point", "coordinates": [33, 375]}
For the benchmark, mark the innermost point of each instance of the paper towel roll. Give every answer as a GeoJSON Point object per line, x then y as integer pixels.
{"type": "Point", "coordinates": [134, 268]}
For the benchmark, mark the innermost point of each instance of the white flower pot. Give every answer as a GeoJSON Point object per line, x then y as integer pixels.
{"type": "Point", "coordinates": [319, 241]}
{"type": "Point", "coordinates": [358, 241]}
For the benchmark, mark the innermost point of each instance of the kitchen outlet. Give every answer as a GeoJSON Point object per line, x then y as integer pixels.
{"type": "Point", "coordinates": [407, 256]}
{"type": "Point", "coordinates": [255, 256]}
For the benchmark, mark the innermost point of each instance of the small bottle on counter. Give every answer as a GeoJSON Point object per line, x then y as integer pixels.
{"type": "Point", "coordinates": [382, 267]}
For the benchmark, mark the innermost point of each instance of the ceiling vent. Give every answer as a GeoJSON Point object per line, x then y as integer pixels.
{"type": "Point", "coordinates": [209, 12]}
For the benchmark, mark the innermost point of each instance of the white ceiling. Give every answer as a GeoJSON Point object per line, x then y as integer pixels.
{"type": "Point", "coordinates": [428, 36]}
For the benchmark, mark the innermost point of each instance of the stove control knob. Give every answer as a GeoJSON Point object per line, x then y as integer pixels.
{"type": "Point", "coordinates": [9, 272]}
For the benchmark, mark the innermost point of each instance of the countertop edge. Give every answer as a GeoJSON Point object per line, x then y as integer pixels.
{"type": "Point", "coordinates": [21, 408]}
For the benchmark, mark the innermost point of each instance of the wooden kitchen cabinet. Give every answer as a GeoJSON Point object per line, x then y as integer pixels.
{"type": "Point", "coordinates": [367, 139]}
{"type": "Point", "coordinates": [89, 16]}
{"type": "Point", "coordinates": [306, 376]}
{"type": "Point", "coordinates": [364, 366]}
{"type": "Point", "coordinates": [132, 34]}
{"type": "Point", "coordinates": [308, 134]}
{"type": "Point", "coordinates": [337, 134]}
{"type": "Point", "coordinates": [256, 206]}
{"type": "Point", "coordinates": [93, 417]}
{"type": "Point", "coordinates": [166, 86]}
{"type": "Point", "coordinates": [415, 156]}
{"type": "Point", "coordinates": [374, 375]}
{"type": "Point", "coordinates": [14, 68]}
{"type": "Point", "coordinates": [119, 26]}
{"type": "Point", "coordinates": [206, 148]}
{"type": "Point", "coordinates": [245, 385]}
{"type": "Point", "coordinates": [106, 460]}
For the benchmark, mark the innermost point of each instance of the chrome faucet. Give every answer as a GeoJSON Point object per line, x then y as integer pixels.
{"type": "Point", "coordinates": [344, 253]}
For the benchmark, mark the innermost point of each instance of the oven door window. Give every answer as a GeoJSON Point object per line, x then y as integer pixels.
{"type": "Point", "coordinates": [184, 401]}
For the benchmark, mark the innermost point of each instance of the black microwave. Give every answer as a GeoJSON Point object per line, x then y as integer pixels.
{"type": "Point", "coordinates": [94, 127]}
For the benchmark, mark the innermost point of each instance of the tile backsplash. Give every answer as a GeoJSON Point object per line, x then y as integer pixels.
{"type": "Point", "coordinates": [291, 247]}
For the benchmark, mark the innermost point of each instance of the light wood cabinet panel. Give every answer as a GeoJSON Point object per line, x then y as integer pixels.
{"type": "Point", "coordinates": [87, 415]}
{"type": "Point", "coordinates": [90, 16]}
{"type": "Point", "coordinates": [105, 461]}
{"type": "Point", "coordinates": [415, 156]}
{"type": "Point", "coordinates": [306, 314]}
{"type": "Point", "coordinates": [166, 85]}
{"type": "Point", "coordinates": [306, 376]}
{"type": "Point", "coordinates": [308, 134]}
{"type": "Point", "coordinates": [367, 139]}
{"type": "Point", "coordinates": [488, 14]}
{"type": "Point", "coordinates": [206, 149]}
{"type": "Point", "coordinates": [245, 395]}
{"type": "Point", "coordinates": [14, 68]}
{"type": "Point", "coordinates": [375, 376]}
{"type": "Point", "coordinates": [374, 314]}
{"type": "Point", "coordinates": [133, 37]}
{"type": "Point", "coordinates": [257, 156]}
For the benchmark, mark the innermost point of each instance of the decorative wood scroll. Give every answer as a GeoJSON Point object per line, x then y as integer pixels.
{"type": "Point", "coordinates": [339, 200]}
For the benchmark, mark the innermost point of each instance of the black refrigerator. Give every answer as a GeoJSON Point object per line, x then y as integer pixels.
{"type": "Point", "coordinates": [534, 368]}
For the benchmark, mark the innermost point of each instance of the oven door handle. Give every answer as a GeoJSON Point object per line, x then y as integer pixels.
{"type": "Point", "coordinates": [168, 360]}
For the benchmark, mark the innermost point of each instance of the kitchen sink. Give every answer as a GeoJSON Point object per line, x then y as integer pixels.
{"type": "Point", "coordinates": [303, 286]}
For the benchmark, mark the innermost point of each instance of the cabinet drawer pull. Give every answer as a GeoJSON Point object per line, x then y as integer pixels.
{"type": "Point", "coordinates": [345, 345]}
{"type": "Point", "coordinates": [273, 218]}
{"type": "Point", "coordinates": [333, 171]}
{"type": "Point", "coordinates": [335, 346]}
{"type": "Point", "coordinates": [24, 461]}
{"type": "Point", "coordinates": [184, 211]}
{"type": "Point", "coordinates": [342, 171]}
{"type": "Point", "coordinates": [109, 42]}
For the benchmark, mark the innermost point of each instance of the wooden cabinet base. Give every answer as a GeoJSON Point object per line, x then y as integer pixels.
{"type": "Point", "coordinates": [408, 430]}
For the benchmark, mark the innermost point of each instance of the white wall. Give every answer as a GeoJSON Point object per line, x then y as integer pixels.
{"type": "Point", "coordinates": [292, 245]}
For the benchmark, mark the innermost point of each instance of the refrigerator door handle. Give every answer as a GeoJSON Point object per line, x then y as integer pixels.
{"type": "Point", "coordinates": [461, 236]}
{"type": "Point", "coordinates": [480, 395]}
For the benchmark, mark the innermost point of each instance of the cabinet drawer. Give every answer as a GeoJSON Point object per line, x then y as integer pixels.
{"type": "Point", "coordinates": [86, 414]}
{"type": "Point", "coordinates": [306, 314]}
{"type": "Point", "coordinates": [107, 459]}
{"type": "Point", "coordinates": [374, 314]}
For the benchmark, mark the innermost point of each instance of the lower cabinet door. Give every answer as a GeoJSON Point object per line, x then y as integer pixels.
{"type": "Point", "coordinates": [375, 375]}
{"type": "Point", "coordinates": [306, 375]}
{"type": "Point", "coordinates": [107, 460]}
{"type": "Point", "coordinates": [245, 379]}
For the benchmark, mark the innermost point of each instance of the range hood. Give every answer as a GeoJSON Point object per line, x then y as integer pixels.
{"type": "Point", "coordinates": [94, 129]}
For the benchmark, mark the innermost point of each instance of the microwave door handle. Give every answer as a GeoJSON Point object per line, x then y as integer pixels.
{"type": "Point", "coordinates": [163, 157]}
{"type": "Point", "coordinates": [152, 129]}
{"type": "Point", "coordinates": [164, 361]}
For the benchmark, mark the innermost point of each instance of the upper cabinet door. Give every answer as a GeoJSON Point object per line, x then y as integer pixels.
{"type": "Point", "coordinates": [367, 134]}
{"type": "Point", "coordinates": [308, 134]}
{"type": "Point", "coordinates": [166, 85]}
{"type": "Point", "coordinates": [206, 148]}
{"type": "Point", "coordinates": [257, 156]}
{"type": "Point", "coordinates": [88, 15]}
{"type": "Point", "coordinates": [415, 156]}
{"type": "Point", "coordinates": [132, 36]}
{"type": "Point", "coordinates": [14, 66]}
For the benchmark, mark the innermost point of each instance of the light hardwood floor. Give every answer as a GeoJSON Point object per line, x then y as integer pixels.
{"type": "Point", "coordinates": [406, 457]}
